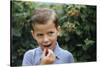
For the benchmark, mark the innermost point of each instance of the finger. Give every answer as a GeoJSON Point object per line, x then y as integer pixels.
{"type": "Point", "coordinates": [44, 51]}
{"type": "Point", "coordinates": [50, 52]}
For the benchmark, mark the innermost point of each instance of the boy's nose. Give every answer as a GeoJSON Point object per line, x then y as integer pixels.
{"type": "Point", "coordinates": [45, 39]}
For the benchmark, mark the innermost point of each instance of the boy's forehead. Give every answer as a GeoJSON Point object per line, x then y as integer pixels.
{"type": "Point", "coordinates": [44, 27]}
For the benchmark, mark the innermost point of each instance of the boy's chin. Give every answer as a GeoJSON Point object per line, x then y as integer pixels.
{"type": "Point", "coordinates": [49, 47]}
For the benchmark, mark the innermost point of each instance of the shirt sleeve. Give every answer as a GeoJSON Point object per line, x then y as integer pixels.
{"type": "Point", "coordinates": [28, 56]}
{"type": "Point", "coordinates": [70, 58]}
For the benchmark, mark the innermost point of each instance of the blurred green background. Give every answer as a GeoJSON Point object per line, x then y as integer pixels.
{"type": "Point", "coordinates": [78, 29]}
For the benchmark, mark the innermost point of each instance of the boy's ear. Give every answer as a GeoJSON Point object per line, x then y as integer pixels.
{"type": "Point", "coordinates": [32, 33]}
{"type": "Point", "coordinates": [59, 29]}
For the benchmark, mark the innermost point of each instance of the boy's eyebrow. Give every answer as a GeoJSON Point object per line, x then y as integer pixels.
{"type": "Point", "coordinates": [39, 34]}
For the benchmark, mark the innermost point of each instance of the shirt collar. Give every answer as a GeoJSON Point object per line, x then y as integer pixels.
{"type": "Point", "coordinates": [57, 51]}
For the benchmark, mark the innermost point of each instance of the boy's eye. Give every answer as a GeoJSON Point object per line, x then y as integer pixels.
{"type": "Point", "coordinates": [51, 33]}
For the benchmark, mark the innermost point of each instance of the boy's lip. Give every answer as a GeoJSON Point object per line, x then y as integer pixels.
{"type": "Point", "coordinates": [47, 45]}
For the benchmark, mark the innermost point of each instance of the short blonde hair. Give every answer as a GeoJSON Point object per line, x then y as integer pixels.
{"type": "Point", "coordinates": [42, 16]}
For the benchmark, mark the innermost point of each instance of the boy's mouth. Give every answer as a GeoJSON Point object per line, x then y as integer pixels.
{"type": "Point", "coordinates": [47, 45]}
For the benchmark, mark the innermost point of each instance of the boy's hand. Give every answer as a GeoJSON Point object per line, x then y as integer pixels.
{"type": "Point", "coordinates": [48, 57]}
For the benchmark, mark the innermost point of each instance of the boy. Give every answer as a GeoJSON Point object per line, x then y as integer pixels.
{"type": "Point", "coordinates": [45, 30]}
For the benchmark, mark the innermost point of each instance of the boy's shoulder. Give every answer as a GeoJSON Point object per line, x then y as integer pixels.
{"type": "Point", "coordinates": [30, 52]}
{"type": "Point", "coordinates": [30, 56]}
{"type": "Point", "coordinates": [64, 53]}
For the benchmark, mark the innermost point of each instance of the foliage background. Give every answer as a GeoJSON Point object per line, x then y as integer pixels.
{"type": "Point", "coordinates": [78, 29]}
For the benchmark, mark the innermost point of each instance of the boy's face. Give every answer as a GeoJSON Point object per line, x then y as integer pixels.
{"type": "Point", "coordinates": [46, 34]}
